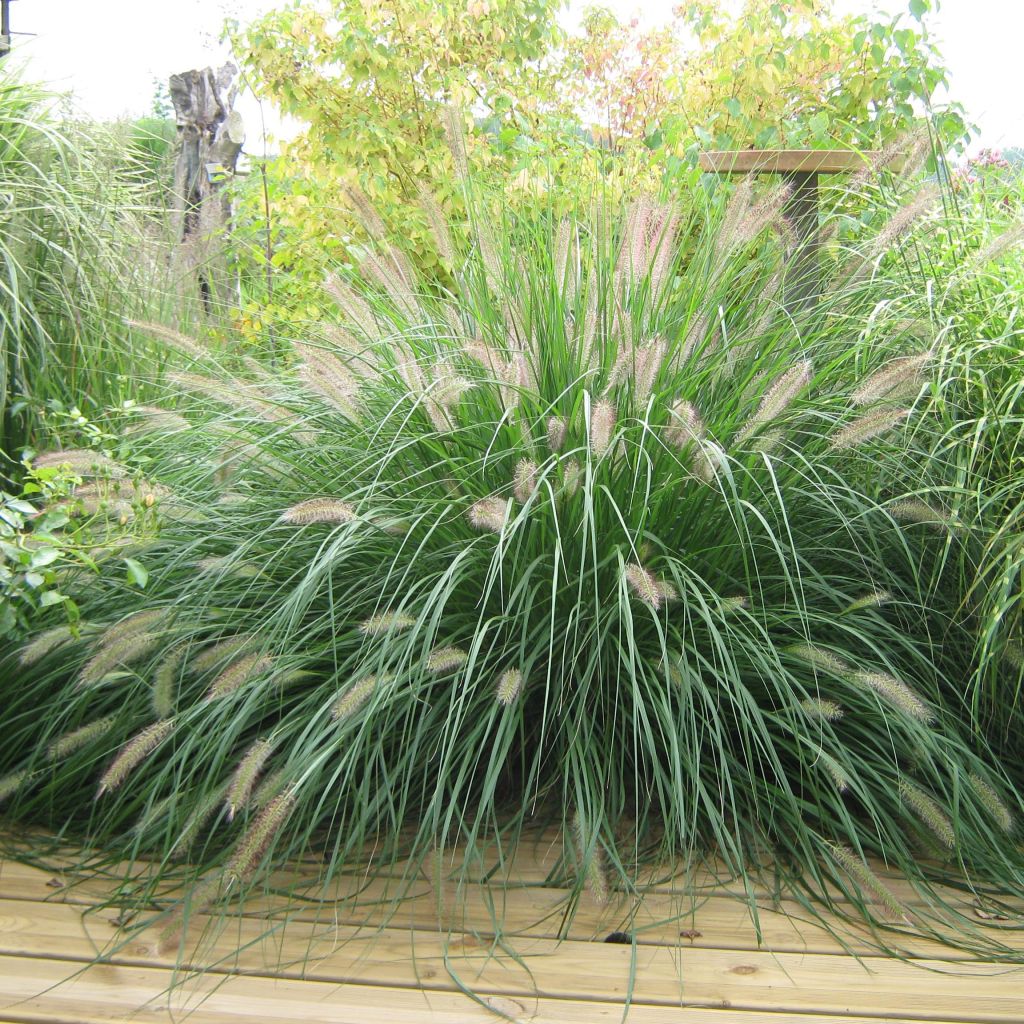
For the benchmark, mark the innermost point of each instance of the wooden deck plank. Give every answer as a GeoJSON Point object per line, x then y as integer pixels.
{"type": "Point", "coordinates": [36, 991]}
{"type": "Point", "coordinates": [699, 883]}
{"type": "Point", "coordinates": [574, 971]}
{"type": "Point", "coordinates": [718, 922]}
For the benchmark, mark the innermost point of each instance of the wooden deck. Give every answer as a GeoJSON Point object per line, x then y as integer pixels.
{"type": "Point", "coordinates": [343, 959]}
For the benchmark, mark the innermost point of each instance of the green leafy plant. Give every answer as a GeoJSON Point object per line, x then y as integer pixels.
{"type": "Point", "coordinates": [80, 249]}
{"type": "Point", "coordinates": [606, 538]}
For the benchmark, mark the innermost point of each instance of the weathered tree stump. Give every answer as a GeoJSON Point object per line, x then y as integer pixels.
{"type": "Point", "coordinates": [210, 137]}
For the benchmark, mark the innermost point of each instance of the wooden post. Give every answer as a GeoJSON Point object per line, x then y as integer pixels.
{"type": "Point", "coordinates": [210, 137]}
{"type": "Point", "coordinates": [803, 272]}
{"type": "Point", "coordinates": [803, 169]}
{"type": "Point", "coordinates": [5, 27]}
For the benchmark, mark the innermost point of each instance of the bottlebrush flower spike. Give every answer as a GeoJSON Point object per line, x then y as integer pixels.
{"type": "Point", "coordinates": [648, 587]}
{"type": "Point", "coordinates": [779, 396]}
{"type": "Point", "coordinates": [44, 643]}
{"type": "Point", "coordinates": [525, 483]}
{"type": "Point", "coordinates": [119, 654]}
{"type": "Point", "coordinates": [920, 512]}
{"type": "Point", "coordinates": [67, 744]}
{"type": "Point", "coordinates": [252, 847]}
{"type": "Point", "coordinates": [510, 682]}
{"type": "Point", "coordinates": [557, 431]}
{"type": "Point", "coordinates": [868, 881]}
{"type": "Point", "coordinates": [864, 428]}
{"type": "Point", "coordinates": [897, 693]}
{"type": "Point", "coordinates": [686, 426]}
{"type": "Point", "coordinates": [218, 652]}
{"type": "Point", "coordinates": [446, 659]}
{"type": "Point", "coordinates": [81, 461]}
{"type": "Point", "coordinates": [386, 622]}
{"type": "Point", "coordinates": [356, 696]}
{"type": "Point", "coordinates": [489, 514]}
{"type": "Point", "coordinates": [929, 811]}
{"type": "Point", "coordinates": [820, 658]}
{"type": "Point", "coordinates": [894, 380]}
{"type": "Point", "coordinates": [647, 365]}
{"type": "Point", "coordinates": [991, 802]}
{"type": "Point", "coordinates": [826, 710]}
{"type": "Point", "coordinates": [238, 673]}
{"type": "Point", "coordinates": [247, 775]}
{"type": "Point", "coordinates": [132, 754]}
{"type": "Point", "coordinates": [603, 416]}
{"type": "Point", "coordinates": [318, 510]}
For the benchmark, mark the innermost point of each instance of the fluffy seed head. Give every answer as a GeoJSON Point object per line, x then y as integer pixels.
{"type": "Point", "coordinates": [155, 418]}
{"type": "Point", "coordinates": [446, 659]}
{"type": "Point", "coordinates": [44, 643]}
{"type": "Point", "coordinates": [920, 512]}
{"type": "Point", "coordinates": [873, 600]}
{"type": "Point", "coordinates": [572, 477]}
{"type": "Point", "coordinates": [132, 625]}
{"type": "Point", "coordinates": [647, 587]}
{"type": "Point", "coordinates": [1013, 654]}
{"type": "Point", "coordinates": [780, 395]}
{"type": "Point", "coordinates": [11, 783]}
{"type": "Point", "coordinates": [178, 341]}
{"type": "Point", "coordinates": [356, 696]}
{"type": "Point", "coordinates": [834, 770]}
{"type": "Point", "coordinates": [318, 510]}
{"type": "Point", "coordinates": [558, 428]}
{"type": "Point", "coordinates": [164, 678]}
{"type": "Point", "coordinates": [820, 658]}
{"type": "Point", "coordinates": [767, 211]}
{"type": "Point", "coordinates": [489, 514]}
{"type": "Point", "coordinates": [132, 754]}
{"type": "Point", "coordinates": [355, 308]}
{"type": "Point", "coordinates": [327, 376]}
{"type": "Point", "coordinates": [686, 426]}
{"type": "Point", "coordinates": [246, 775]}
{"type": "Point", "coordinates": [991, 801]}
{"type": "Point", "coordinates": [602, 423]}
{"type": "Point", "coordinates": [866, 427]}
{"type": "Point", "coordinates": [647, 365]}
{"type": "Point", "coordinates": [386, 622]}
{"type": "Point", "coordinates": [454, 131]}
{"type": "Point", "coordinates": [252, 847]}
{"type": "Point", "coordinates": [592, 860]}
{"type": "Point", "coordinates": [896, 692]}
{"type": "Point", "coordinates": [899, 378]}
{"type": "Point", "coordinates": [929, 811]}
{"type": "Point", "coordinates": [238, 673]}
{"type": "Point", "coordinates": [67, 744]}
{"type": "Point", "coordinates": [868, 881]}
{"type": "Point", "coordinates": [825, 710]}
{"type": "Point", "coordinates": [510, 682]}
{"type": "Point", "coordinates": [734, 604]}
{"type": "Point", "coordinates": [120, 653]}
{"type": "Point", "coordinates": [81, 461]}
{"type": "Point", "coordinates": [525, 483]}
{"type": "Point", "coordinates": [218, 652]}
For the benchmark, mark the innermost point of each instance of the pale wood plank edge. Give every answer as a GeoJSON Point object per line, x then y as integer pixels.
{"type": "Point", "coordinates": [253, 999]}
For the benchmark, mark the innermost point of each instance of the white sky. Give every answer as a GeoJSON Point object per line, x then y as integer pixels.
{"type": "Point", "coordinates": [109, 51]}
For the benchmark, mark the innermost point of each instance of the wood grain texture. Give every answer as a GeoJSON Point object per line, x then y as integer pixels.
{"type": "Point", "coordinates": [361, 957]}
{"type": "Point", "coordinates": [775, 161]}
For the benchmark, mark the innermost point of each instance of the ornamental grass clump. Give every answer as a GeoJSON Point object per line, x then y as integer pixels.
{"type": "Point", "coordinates": [525, 561]}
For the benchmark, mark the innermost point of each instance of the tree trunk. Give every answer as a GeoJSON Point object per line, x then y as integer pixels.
{"type": "Point", "coordinates": [210, 137]}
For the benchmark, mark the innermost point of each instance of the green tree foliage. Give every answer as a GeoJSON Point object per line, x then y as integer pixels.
{"type": "Point", "coordinates": [613, 109]}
